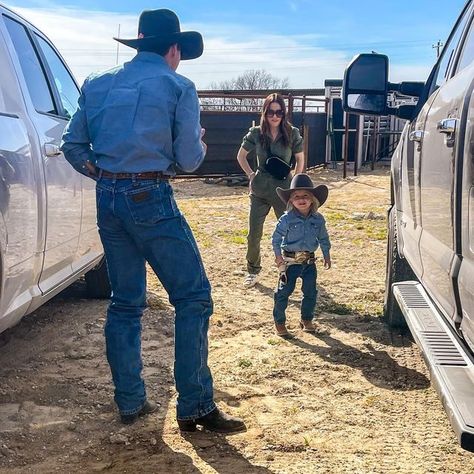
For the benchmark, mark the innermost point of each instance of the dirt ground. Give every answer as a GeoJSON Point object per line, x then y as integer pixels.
{"type": "Point", "coordinates": [355, 398]}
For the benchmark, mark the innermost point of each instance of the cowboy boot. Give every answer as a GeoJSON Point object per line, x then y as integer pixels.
{"type": "Point", "coordinates": [217, 421]}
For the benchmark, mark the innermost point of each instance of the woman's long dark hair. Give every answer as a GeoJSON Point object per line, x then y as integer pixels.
{"type": "Point", "coordinates": [285, 126]}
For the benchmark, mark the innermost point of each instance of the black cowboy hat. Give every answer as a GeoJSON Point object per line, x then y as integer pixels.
{"type": "Point", "coordinates": [157, 28]}
{"type": "Point", "coordinates": [303, 181]}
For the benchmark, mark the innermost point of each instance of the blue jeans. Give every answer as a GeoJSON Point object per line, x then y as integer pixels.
{"type": "Point", "coordinates": [307, 272]}
{"type": "Point", "coordinates": [140, 222]}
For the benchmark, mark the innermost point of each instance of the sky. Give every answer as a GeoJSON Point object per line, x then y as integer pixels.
{"type": "Point", "coordinates": [304, 41]}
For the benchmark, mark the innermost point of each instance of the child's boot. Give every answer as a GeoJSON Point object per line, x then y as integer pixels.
{"type": "Point", "coordinates": [281, 331]}
{"type": "Point", "coordinates": [307, 325]}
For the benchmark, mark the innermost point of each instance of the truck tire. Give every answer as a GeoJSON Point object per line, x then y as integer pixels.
{"type": "Point", "coordinates": [397, 270]}
{"type": "Point", "coordinates": [97, 281]}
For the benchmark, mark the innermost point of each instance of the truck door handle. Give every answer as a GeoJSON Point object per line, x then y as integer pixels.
{"type": "Point", "coordinates": [448, 126]}
{"type": "Point", "coordinates": [50, 149]}
{"type": "Point", "coordinates": [416, 136]}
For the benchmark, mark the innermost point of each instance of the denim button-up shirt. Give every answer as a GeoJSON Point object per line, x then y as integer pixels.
{"type": "Point", "coordinates": [296, 233]}
{"type": "Point", "coordinates": [140, 116]}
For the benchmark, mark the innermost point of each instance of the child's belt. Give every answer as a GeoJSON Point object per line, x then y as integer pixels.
{"type": "Point", "coordinates": [299, 257]}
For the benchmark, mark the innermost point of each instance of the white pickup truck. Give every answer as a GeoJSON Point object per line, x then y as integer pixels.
{"type": "Point", "coordinates": [430, 259]}
{"type": "Point", "coordinates": [48, 234]}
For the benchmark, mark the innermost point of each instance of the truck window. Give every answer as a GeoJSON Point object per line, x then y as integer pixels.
{"type": "Point", "coordinates": [467, 53]}
{"type": "Point", "coordinates": [449, 49]}
{"type": "Point", "coordinates": [68, 91]}
{"type": "Point", "coordinates": [31, 67]}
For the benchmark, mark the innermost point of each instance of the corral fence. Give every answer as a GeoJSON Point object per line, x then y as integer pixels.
{"type": "Point", "coordinates": [359, 140]}
{"type": "Point", "coordinates": [331, 136]}
{"type": "Point", "coordinates": [228, 115]}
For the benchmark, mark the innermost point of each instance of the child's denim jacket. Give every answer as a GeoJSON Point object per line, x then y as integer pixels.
{"type": "Point", "coordinates": [296, 233]}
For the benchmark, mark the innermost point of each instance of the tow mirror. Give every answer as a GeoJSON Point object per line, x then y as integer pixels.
{"type": "Point", "coordinates": [365, 85]}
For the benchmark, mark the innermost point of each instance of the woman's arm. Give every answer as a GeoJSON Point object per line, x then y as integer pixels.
{"type": "Point", "coordinates": [244, 164]}
{"type": "Point", "coordinates": [299, 167]}
{"type": "Point", "coordinates": [297, 148]}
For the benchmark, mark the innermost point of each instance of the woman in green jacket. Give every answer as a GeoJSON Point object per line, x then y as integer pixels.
{"type": "Point", "coordinates": [275, 141]}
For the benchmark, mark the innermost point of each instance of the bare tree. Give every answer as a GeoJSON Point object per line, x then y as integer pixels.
{"type": "Point", "coordinates": [249, 80]}
{"type": "Point", "coordinates": [253, 79]}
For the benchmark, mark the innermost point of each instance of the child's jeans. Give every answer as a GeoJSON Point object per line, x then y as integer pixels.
{"type": "Point", "coordinates": [308, 274]}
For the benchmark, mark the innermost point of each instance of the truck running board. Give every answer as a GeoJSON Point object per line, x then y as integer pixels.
{"type": "Point", "coordinates": [451, 367]}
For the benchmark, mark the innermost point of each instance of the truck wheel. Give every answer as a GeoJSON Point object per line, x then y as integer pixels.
{"type": "Point", "coordinates": [97, 281]}
{"type": "Point", "coordinates": [397, 270]}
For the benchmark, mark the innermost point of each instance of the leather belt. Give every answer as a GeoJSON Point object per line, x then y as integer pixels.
{"type": "Point", "coordinates": [143, 175]}
{"type": "Point", "coordinates": [303, 257]}
{"type": "Point", "coordinates": [303, 254]}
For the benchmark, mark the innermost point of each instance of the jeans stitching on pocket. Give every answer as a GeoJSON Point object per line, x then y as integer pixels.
{"type": "Point", "coordinates": [156, 203]}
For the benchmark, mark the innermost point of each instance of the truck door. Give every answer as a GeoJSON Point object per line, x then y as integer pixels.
{"type": "Point", "coordinates": [465, 194]}
{"type": "Point", "coordinates": [63, 185]}
{"type": "Point", "coordinates": [20, 198]}
{"type": "Point", "coordinates": [439, 146]}
{"type": "Point", "coordinates": [89, 246]}
{"type": "Point", "coordinates": [408, 155]}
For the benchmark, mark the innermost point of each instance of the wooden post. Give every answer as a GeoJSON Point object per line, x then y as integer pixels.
{"type": "Point", "coordinates": [346, 145]}
{"type": "Point", "coordinates": [356, 145]}
{"type": "Point", "coordinates": [303, 110]}
{"type": "Point", "coordinates": [290, 107]}
{"type": "Point", "coordinates": [374, 144]}
{"type": "Point", "coordinates": [377, 144]}
{"type": "Point", "coordinates": [305, 145]}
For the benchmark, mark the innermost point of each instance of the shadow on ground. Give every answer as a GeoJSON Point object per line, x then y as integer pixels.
{"type": "Point", "coordinates": [56, 408]}
{"type": "Point", "coordinates": [377, 365]}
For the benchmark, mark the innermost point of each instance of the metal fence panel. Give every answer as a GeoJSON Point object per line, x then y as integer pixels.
{"type": "Point", "coordinates": [225, 130]}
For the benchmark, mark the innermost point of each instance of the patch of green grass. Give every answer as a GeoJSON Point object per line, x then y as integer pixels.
{"type": "Point", "coordinates": [366, 308]}
{"type": "Point", "coordinates": [370, 306]}
{"type": "Point", "coordinates": [346, 226]}
{"type": "Point", "coordinates": [375, 230]}
{"type": "Point", "coordinates": [377, 233]}
{"type": "Point", "coordinates": [203, 239]}
{"type": "Point", "coordinates": [245, 363]}
{"type": "Point", "coordinates": [333, 217]}
{"type": "Point", "coordinates": [360, 242]}
{"type": "Point", "coordinates": [292, 411]}
{"type": "Point", "coordinates": [238, 236]}
{"type": "Point", "coordinates": [335, 308]}
{"type": "Point", "coordinates": [274, 342]}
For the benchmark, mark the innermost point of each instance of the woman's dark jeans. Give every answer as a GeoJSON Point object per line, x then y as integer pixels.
{"type": "Point", "coordinates": [263, 197]}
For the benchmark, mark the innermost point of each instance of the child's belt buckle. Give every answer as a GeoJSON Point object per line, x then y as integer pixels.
{"type": "Point", "coordinates": [302, 257]}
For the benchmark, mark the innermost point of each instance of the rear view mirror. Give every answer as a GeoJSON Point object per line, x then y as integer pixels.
{"type": "Point", "coordinates": [365, 85]}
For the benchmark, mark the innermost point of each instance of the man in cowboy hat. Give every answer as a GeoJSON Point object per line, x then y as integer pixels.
{"type": "Point", "coordinates": [135, 123]}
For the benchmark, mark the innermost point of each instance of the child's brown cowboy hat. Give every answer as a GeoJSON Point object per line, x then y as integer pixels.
{"type": "Point", "coordinates": [303, 181]}
{"type": "Point", "coordinates": [158, 28]}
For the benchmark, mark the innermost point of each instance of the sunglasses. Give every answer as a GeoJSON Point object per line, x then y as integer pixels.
{"type": "Point", "coordinates": [279, 113]}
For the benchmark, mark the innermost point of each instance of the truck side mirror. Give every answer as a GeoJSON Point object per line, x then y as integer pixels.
{"type": "Point", "coordinates": [365, 85]}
